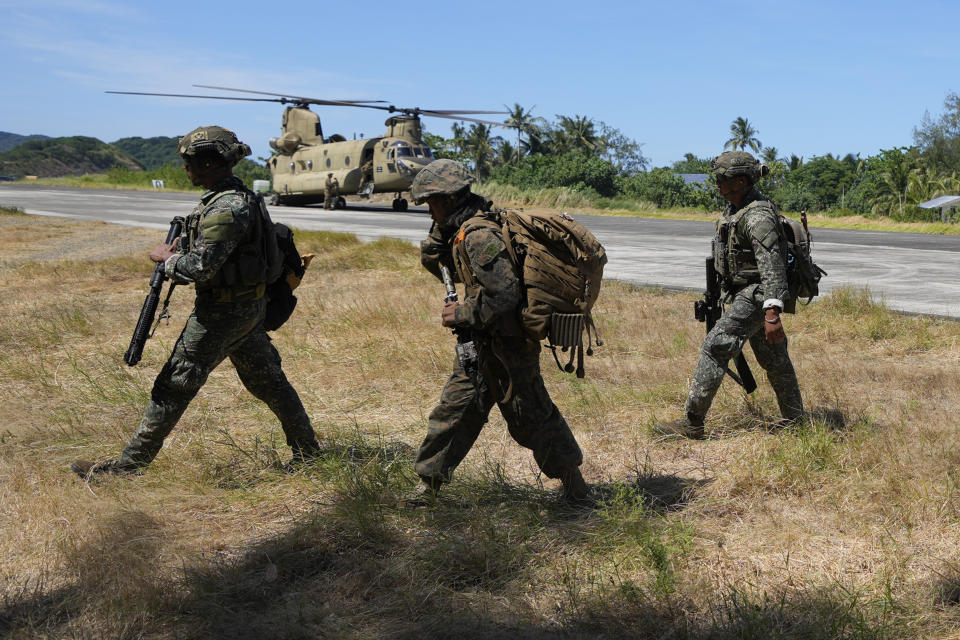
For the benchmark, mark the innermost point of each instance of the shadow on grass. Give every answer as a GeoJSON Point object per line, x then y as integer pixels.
{"type": "Point", "coordinates": [477, 565]}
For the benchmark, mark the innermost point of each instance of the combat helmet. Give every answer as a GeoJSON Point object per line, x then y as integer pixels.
{"type": "Point", "coordinates": [213, 139]}
{"type": "Point", "coordinates": [731, 164]}
{"type": "Point", "coordinates": [440, 177]}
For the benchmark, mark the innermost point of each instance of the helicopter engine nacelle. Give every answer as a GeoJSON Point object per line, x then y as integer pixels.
{"type": "Point", "coordinates": [286, 144]}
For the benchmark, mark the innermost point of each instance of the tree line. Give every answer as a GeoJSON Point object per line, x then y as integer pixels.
{"type": "Point", "coordinates": [594, 158]}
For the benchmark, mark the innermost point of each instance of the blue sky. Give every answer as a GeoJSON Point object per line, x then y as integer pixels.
{"type": "Point", "coordinates": [813, 77]}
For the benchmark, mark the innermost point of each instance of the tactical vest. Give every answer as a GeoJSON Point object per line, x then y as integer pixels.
{"type": "Point", "coordinates": [733, 255]}
{"type": "Point", "coordinates": [243, 276]}
{"type": "Point", "coordinates": [509, 323]}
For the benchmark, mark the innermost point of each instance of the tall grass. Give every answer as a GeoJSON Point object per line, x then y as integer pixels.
{"type": "Point", "coordinates": [821, 530]}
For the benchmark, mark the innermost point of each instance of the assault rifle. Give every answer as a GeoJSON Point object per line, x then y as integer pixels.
{"type": "Point", "coordinates": [466, 349]}
{"type": "Point", "coordinates": [145, 324]}
{"type": "Point", "coordinates": [709, 310]}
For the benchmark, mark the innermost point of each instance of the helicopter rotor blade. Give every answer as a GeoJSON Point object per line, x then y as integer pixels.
{"type": "Point", "coordinates": [190, 95]}
{"type": "Point", "coordinates": [463, 118]}
{"type": "Point", "coordinates": [452, 112]}
{"type": "Point", "coordinates": [351, 103]}
{"type": "Point", "coordinates": [283, 98]}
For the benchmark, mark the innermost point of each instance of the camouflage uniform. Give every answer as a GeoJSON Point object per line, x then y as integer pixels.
{"type": "Point", "coordinates": [331, 189]}
{"type": "Point", "coordinates": [509, 361]}
{"type": "Point", "coordinates": [226, 322]}
{"type": "Point", "coordinates": [753, 272]}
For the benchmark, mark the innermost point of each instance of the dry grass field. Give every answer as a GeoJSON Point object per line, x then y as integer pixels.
{"type": "Point", "coordinates": [812, 532]}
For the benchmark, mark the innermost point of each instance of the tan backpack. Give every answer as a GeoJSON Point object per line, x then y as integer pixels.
{"type": "Point", "coordinates": [560, 264]}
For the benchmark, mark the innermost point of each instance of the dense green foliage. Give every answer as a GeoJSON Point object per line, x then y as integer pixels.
{"type": "Point", "coordinates": [63, 156]}
{"type": "Point", "coordinates": [575, 169]}
{"type": "Point", "coordinates": [151, 153]}
{"type": "Point", "coordinates": [665, 188]}
{"type": "Point", "coordinates": [174, 177]}
{"type": "Point", "coordinates": [10, 140]}
{"type": "Point", "coordinates": [575, 153]}
{"type": "Point", "coordinates": [129, 161]}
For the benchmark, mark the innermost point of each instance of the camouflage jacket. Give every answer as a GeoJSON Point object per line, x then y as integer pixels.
{"type": "Point", "coordinates": [476, 251]}
{"type": "Point", "coordinates": [218, 225]}
{"type": "Point", "coordinates": [749, 253]}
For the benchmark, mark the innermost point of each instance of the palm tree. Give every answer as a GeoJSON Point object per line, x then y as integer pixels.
{"type": "Point", "coordinates": [577, 133]}
{"type": "Point", "coordinates": [480, 145]}
{"type": "Point", "coordinates": [506, 153]}
{"type": "Point", "coordinates": [795, 162]}
{"type": "Point", "coordinates": [459, 136]}
{"type": "Point", "coordinates": [894, 180]}
{"type": "Point", "coordinates": [743, 136]}
{"type": "Point", "coordinates": [769, 155]}
{"type": "Point", "coordinates": [527, 125]}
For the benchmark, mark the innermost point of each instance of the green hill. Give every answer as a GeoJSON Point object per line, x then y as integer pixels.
{"type": "Point", "coordinates": [10, 140]}
{"type": "Point", "coordinates": [151, 153]}
{"type": "Point", "coordinates": [53, 157]}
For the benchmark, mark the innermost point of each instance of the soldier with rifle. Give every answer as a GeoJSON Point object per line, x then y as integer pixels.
{"type": "Point", "coordinates": [497, 363]}
{"type": "Point", "coordinates": [748, 269]}
{"type": "Point", "coordinates": [223, 252]}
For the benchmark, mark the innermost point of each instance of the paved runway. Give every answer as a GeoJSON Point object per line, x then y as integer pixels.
{"type": "Point", "coordinates": [911, 272]}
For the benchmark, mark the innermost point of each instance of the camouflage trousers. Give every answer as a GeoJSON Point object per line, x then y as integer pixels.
{"type": "Point", "coordinates": [743, 320]}
{"type": "Point", "coordinates": [532, 418]}
{"type": "Point", "coordinates": [329, 198]}
{"type": "Point", "coordinates": [215, 331]}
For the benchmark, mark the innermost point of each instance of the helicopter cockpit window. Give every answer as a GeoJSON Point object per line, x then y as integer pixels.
{"type": "Point", "coordinates": [403, 152]}
{"type": "Point", "coordinates": [422, 152]}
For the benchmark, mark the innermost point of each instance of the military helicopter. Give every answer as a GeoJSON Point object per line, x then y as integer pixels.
{"type": "Point", "coordinates": [303, 157]}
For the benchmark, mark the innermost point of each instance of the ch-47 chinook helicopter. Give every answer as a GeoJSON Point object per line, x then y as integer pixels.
{"type": "Point", "coordinates": [303, 158]}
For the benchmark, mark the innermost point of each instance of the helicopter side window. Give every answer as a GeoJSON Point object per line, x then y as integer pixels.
{"type": "Point", "coordinates": [427, 153]}
{"type": "Point", "coordinates": [309, 164]}
{"type": "Point", "coordinates": [328, 163]}
{"type": "Point", "coordinates": [390, 154]}
{"type": "Point", "coordinates": [346, 161]}
{"type": "Point", "coordinates": [293, 166]}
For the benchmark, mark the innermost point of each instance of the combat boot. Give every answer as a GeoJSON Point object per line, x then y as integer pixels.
{"type": "Point", "coordinates": [574, 490]}
{"type": "Point", "coordinates": [687, 427]}
{"type": "Point", "coordinates": [303, 454]}
{"type": "Point", "coordinates": [88, 469]}
{"type": "Point", "coordinates": [424, 494]}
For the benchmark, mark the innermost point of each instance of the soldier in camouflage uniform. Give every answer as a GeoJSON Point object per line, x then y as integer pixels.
{"type": "Point", "coordinates": [749, 257]}
{"type": "Point", "coordinates": [331, 189]}
{"type": "Point", "coordinates": [466, 235]}
{"type": "Point", "coordinates": [221, 253]}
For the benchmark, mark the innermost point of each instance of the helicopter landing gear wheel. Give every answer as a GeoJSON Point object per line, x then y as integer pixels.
{"type": "Point", "coordinates": [275, 200]}
{"type": "Point", "coordinates": [400, 204]}
{"type": "Point", "coordinates": [340, 203]}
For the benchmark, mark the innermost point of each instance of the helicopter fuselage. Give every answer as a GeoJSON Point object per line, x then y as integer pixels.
{"type": "Point", "coordinates": [303, 158]}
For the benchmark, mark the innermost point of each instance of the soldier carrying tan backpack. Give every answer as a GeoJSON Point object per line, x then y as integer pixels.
{"type": "Point", "coordinates": [505, 315]}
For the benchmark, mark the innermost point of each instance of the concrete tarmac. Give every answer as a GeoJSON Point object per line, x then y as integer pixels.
{"type": "Point", "coordinates": [910, 272]}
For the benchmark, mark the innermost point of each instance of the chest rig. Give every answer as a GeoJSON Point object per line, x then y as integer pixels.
{"type": "Point", "coordinates": [243, 276]}
{"type": "Point", "coordinates": [733, 256]}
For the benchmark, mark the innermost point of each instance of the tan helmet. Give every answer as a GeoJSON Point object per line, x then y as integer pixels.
{"type": "Point", "coordinates": [213, 139]}
{"type": "Point", "coordinates": [731, 164]}
{"type": "Point", "coordinates": [440, 177]}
